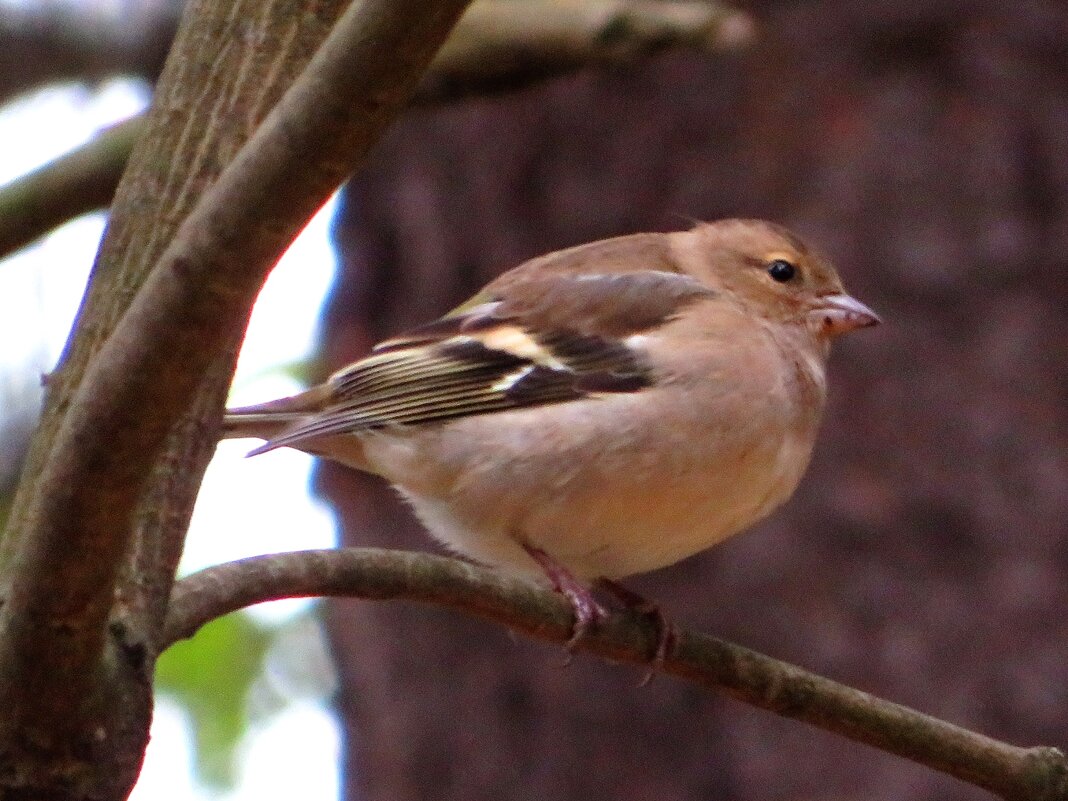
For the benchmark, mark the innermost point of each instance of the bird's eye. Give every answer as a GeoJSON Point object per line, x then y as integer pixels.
{"type": "Point", "coordinates": [781, 270]}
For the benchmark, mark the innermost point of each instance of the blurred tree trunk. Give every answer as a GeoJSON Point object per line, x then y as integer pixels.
{"type": "Point", "coordinates": [925, 555]}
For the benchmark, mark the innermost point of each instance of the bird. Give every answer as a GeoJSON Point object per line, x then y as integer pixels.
{"type": "Point", "coordinates": [596, 412]}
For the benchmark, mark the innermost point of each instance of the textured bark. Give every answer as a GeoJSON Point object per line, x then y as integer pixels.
{"type": "Point", "coordinates": [924, 556]}
{"type": "Point", "coordinates": [90, 553]}
{"type": "Point", "coordinates": [99, 677]}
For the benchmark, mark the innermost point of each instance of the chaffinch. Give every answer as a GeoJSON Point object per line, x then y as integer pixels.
{"type": "Point", "coordinates": [595, 412]}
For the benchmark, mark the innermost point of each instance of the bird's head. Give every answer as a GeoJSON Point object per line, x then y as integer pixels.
{"type": "Point", "coordinates": [772, 273]}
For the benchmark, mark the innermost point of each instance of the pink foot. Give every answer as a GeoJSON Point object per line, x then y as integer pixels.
{"type": "Point", "coordinates": [667, 635]}
{"type": "Point", "coordinates": [585, 607]}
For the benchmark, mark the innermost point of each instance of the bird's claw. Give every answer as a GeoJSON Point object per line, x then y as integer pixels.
{"type": "Point", "coordinates": [667, 634]}
{"type": "Point", "coordinates": [588, 612]}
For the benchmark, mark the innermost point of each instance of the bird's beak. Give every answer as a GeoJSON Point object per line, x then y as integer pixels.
{"type": "Point", "coordinates": [840, 313]}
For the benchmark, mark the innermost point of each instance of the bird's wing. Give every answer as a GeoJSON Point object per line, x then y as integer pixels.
{"type": "Point", "coordinates": [561, 338]}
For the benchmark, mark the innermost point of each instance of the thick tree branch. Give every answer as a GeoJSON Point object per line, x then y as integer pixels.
{"type": "Point", "coordinates": [499, 45]}
{"type": "Point", "coordinates": [78, 529]}
{"type": "Point", "coordinates": [1017, 774]}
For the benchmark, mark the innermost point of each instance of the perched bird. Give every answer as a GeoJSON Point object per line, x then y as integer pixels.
{"type": "Point", "coordinates": [596, 412]}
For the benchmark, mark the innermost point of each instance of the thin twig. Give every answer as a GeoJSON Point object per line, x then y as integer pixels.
{"type": "Point", "coordinates": [1017, 774]}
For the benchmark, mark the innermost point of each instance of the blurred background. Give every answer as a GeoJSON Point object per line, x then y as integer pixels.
{"type": "Point", "coordinates": [924, 146]}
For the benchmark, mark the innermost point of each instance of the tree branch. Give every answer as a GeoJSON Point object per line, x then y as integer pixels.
{"type": "Point", "coordinates": [79, 526]}
{"type": "Point", "coordinates": [505, 45]}
{"type": "Point", "coordinates": [77, 183]}
{"type": "Point", "coordinates": [1016, 774]}
{"type": "Point", "coordinates": [499, 45]}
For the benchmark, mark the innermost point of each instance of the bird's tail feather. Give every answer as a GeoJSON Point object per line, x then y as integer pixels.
{"type": "Point", "coordinates": [267, 420]}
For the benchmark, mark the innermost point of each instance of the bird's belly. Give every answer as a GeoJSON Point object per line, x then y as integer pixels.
{"type": "Point", "coordinates": [645, 526]}
{"type": "Point", "coordinates": [628, 511]}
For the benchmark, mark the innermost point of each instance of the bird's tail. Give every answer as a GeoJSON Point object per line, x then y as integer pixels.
{"type": "Point", "coordinates": [267, 420]}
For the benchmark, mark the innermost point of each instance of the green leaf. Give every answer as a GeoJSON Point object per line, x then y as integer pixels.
{"type": "Point", "coordinates": [210, 676]}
